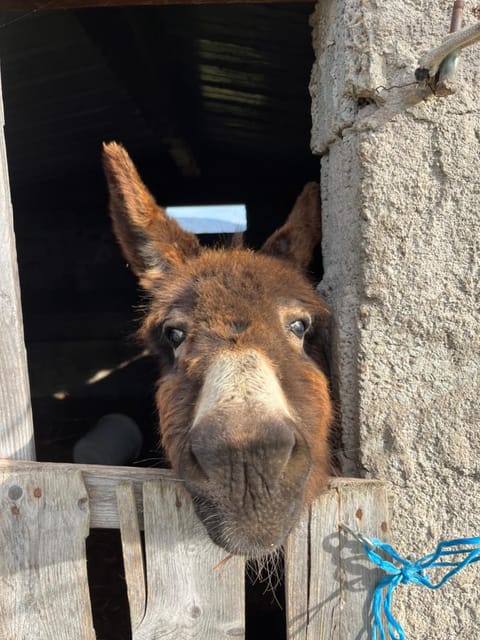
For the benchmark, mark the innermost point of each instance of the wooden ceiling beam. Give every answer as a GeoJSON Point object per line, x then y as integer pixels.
{"type": "Point", "coordinates": [37, 5]}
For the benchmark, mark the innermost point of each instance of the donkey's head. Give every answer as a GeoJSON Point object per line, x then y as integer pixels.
{"type": "Point", "coordinates": [243, 399]}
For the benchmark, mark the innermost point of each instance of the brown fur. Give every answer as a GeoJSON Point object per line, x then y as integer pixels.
{"type": "Point", "coordinates": [249, 473]}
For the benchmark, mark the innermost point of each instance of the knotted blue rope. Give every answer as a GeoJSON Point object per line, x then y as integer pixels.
{"type": "Point", "coordinates": [466, 550]}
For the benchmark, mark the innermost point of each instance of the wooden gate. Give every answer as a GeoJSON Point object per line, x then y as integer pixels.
{"type": "Point", "coordinates": [180, 585]}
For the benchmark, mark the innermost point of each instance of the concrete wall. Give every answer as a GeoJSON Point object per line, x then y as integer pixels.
{"type": "Point", "coordinates": [401, 188]}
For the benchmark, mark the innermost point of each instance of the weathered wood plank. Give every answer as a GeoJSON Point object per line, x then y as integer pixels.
{"type": "Point", "coordinates": [101, 482]}
{"type": "Point", "coordinates": [329, 581]}
{"type": "Point", "coordinates": [132, 552]}
{"type": "Point", "coordinates": [312, 572]}
{"type": "Point", "coordinates": [16, 425]}
{"type": "Point", "coordinates": [364, 508]}
{"type": "Point", "coordinates": [297, 570]}
{"type": "Point", "coordinates": [324, 601]}
{"type": "Point", "coordinates": [43, 577]}
{"type": "Point", "coordinates": [194, 589]}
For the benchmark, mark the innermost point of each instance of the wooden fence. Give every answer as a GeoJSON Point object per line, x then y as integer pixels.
{"type": "Point", "coordinates": [180, 585]}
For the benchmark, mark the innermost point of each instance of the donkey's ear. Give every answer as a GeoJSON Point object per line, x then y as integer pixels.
{"type": "Point", "coordinates": [302, 231]}
{"type": "Point", "coordinates": [151, 241]}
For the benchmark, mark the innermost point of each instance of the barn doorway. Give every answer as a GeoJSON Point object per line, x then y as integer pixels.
{"type": "Point", "coordinates": [212, 104]}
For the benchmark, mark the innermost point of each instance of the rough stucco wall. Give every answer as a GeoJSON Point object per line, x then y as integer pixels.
{"type": "Point", "coordinates": [401, 202]}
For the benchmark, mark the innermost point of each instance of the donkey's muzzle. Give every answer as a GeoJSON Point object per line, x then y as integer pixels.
{"type": "Point", "coordinates": [248, 489]}
{"type": "Point", "coordinates": [245, 462]}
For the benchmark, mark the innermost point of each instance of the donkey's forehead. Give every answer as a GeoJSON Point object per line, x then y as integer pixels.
{"type": "Point", "coordinates": [218, 280]}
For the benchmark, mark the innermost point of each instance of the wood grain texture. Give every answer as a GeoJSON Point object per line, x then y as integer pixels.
{"type": "Point", "coordinates": [364, 508]}
{"type": "Point", "coordinates": [132, 552]}
{"type": "Point", "coordinates": [324, 594]}
{"type": "Point", "coordinates": [43, 586]}
{"type": "Point", "coordinates": [101, 482]}
{"type": "Point", "coordinates": [297, 578]}
{"type": "Point", "coordinates": [193, 590]}
{"type": "Point", "coordinates": [16, 425]}
{"type": "Point", "coordinates": [329, 581]}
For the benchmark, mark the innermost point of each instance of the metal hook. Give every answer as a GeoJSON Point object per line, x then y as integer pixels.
{"type": "Point", "coordinates": [358, 536]}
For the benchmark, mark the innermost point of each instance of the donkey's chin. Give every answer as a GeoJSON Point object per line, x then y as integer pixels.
{"type": "Point", "coordinates": [248, 532]}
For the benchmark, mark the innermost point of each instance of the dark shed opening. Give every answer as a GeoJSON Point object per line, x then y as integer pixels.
{"type": "Point", "coordinates": [212, 104]}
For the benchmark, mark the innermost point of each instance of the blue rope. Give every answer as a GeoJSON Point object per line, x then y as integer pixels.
{"type": "Point", "coordinates": [467, 551]}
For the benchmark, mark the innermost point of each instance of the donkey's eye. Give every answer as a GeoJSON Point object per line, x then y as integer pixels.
{"type": "Point", "coordinates": [299, 327]}
{"type": "Point", "coordinates": [174, 336]}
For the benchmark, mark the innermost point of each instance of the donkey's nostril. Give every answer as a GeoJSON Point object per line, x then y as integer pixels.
{"type": "Point", "coordinates": [204, 457]}
{"type": "Point", "coordinates": [196, 471]}
{"type": "Point", "coordinates": [217, 451]}
{"type": "Point", "coordinates": [280, 444]}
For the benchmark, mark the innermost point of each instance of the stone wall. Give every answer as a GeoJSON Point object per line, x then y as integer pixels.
{"type": "Point", "coordinates": [400, 189]}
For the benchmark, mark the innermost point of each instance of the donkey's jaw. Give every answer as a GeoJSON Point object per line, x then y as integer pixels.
{"type": "Point", "coordinates": [253, 532]}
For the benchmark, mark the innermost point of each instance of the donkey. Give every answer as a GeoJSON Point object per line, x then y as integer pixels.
{"type": "Point", "coordinates": [243, 397]}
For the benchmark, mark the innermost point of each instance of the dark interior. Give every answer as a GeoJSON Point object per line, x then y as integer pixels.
{"type": "Point", "coordinates": [212, 104]}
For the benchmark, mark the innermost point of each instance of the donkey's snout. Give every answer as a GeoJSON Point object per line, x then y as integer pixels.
{"type": "Point", "coordinates": [249, 479]}
{"type": "Point", "coordinates": [246, 463]}
{"type": "Point", "coordinates": [219, 451]}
